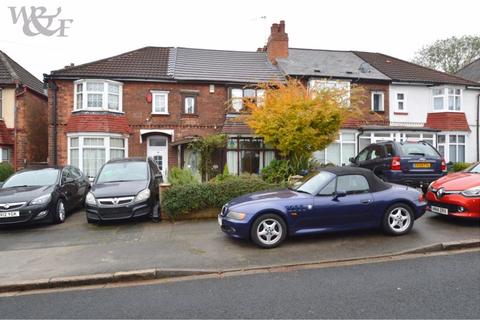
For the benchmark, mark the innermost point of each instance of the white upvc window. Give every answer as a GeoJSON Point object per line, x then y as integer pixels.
{"type": "Point", "coordinates": [189, 105]}
{"type": "Point", "coordinates": [447, 99]}
{"type": "Point", "coordinates": [97, 95]}
{"type": "Point", "coordinates": [325, 84]}
{"type": "Point", "coordinates": [159, 102]}
{"type": "Point", "coordinates": [6, 154]}
{"type": "Point", "coordinates": [451, 146]}
{"type": "Point", "coordinates": [238, 95]}
{"type": "Point", "coordinates": [89, 151]}
{"type": "Point", "coordinates": [377, 101]}
{"type": "Point", "coordinates": [340, 151]}
{"type": "Point", "coordinates": [400, 102]}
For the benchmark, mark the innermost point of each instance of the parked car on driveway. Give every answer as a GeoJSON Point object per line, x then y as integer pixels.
{"type": "Point", "coordinates": [123, 189]}
{"type": "Point", "coordinates": [42, 194]}
{"type": "Point", "coordinates": [457, 194]}
{"type": "Point", "coordinates": [335, 199]}
{"type": "Point", "coordinates": [409, 163]}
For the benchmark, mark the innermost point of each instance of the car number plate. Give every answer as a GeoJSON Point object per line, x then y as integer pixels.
{"type": "Point", "coordinates": [9, 214]}
{"type": "Point", "coordinates": [219, 221]}
{"type": "Point", "coordinates": [422, 165]}
{"type": "Point", "coordinates": [439, 210]}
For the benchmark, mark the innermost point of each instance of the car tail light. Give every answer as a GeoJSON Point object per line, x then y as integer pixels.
{"type": "Point", "coordinates": [421, 198]}
{"type": "Point", "coordinates": [395, 165]}
{"type": "Point", "coordinates": [444, 165]}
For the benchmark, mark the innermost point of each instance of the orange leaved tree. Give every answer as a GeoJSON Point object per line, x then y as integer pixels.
{"type": "Point", "coordinates": [298, 121]}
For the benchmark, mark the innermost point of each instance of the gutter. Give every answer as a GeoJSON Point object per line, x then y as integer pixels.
{"type": "Point", "coordinates": [54, 88]}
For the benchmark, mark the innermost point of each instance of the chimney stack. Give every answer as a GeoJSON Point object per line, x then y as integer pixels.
{"type": "Point", "coordinates": [277, 45]}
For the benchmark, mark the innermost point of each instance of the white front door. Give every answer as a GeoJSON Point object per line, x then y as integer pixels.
{"type": "Point", "coordinates": [157, 148]}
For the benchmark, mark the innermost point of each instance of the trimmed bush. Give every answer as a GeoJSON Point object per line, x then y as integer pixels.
{"type": "Point", "coordinates": [180, 177]}
{"type": "Point", "coordinates": [277, 171]}
{"type": "Point", "coordinates": [6, 170]}
{"type": "Point", "coordinates": [182, 199]}
{"type": "Point", "coordinates": [459, 166]}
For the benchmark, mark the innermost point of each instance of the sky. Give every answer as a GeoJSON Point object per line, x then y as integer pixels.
{"type": "Point", "coordinates": [103, 28]}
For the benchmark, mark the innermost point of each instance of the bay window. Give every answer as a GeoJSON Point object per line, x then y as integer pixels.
{"type": "Point", "coordinates": [447, 98]}
{"type": "Point", "coordinates": [90, 151]}
{"type": "Point", "coordinates": [451, 147]}
{"type": "Point", "coordinates": [97, 95]}
{"type": "Point", "coordinates": [338, 152]}
{"type": "Point", "coordinates": [249, 155]}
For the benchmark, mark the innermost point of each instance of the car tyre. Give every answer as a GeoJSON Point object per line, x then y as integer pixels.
{"type": "Point", "coordinates": [398, 219]}
{"type": "Point", "coordinates": [60, 212]}
{"type": "Point", "coordinates": [268, 231]}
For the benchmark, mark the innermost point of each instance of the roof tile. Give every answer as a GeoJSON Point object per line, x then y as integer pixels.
{"type": "Point", "coordinates": [447, 121]}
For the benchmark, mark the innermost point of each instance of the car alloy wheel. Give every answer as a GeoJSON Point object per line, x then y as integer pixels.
{"type": "Point", "coordinates": [60, 213]}
{"type": "Point", "coordinates": [268, 231]}
{"type": "Point", "coordinates": [398, 220]}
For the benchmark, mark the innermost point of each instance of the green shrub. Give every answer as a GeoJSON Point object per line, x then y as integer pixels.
{"type": "Point", "coordinates": [277, 171]}
{"type": "Point", "coordinates": [180, 177]}
{"type": "Point", "coordinates": [182, 199]}
{"type": "Point", "coordinates": [459, 166]}
{"type": "Point", "coordinates": [6, 170]}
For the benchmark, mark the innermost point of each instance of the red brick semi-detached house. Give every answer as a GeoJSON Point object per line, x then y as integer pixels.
{"type": "Point", "coordinates": [23, 115]}
{"type": "Point", "coordinates": [152, 102]}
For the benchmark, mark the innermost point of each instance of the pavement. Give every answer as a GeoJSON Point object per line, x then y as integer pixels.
{"type": "Point", "coordinates": [76, 248]}
{"type": "Point", "coordinates": [445, 286]}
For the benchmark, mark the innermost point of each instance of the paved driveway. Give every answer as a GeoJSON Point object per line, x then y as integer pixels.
{"type": "Point", "coordinates": [77, 248]}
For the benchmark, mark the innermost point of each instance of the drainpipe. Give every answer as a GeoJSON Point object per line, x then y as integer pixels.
{"type": "Point", "coordinates": [54, 88]}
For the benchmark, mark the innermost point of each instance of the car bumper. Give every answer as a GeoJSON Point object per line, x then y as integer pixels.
{"type": "Point", "coordinates": [412, 179]}
{"type": "Point", "coordinates": [456, 204]}
{"type": "Point", "coordinates": [119, 212]}
{"type": "Point", "coordinates": [234, 228]}
{"type": "Point", "coordinates": [27, 215]}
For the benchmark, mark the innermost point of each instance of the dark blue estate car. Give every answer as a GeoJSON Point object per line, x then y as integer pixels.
{"type": "Point", "coordinates": [410, 163]}
{"type": "Point", "coordinates": [337, 198]}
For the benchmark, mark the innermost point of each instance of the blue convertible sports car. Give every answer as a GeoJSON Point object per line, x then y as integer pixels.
{"type": "Point", "coordinates": [337, 198]}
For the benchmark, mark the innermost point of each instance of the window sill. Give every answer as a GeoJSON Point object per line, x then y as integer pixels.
{"type": "Point", "coordinates": [189, 115]}
{"type": "Point", "coordinates": [97, 110]}
{"type": "Point", "coordinates": [377, 111]}
{"type": "Point", "coordinates": [160, 114]}
{"type": "Point", "coordinates": [400, 113]}
{"type": "Point", "coordinates": [458, 111]}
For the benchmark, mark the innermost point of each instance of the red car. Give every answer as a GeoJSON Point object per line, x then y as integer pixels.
{"type": "Point", "coordinates": [456, 194]}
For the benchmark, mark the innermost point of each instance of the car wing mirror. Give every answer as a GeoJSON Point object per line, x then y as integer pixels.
{"type": "Point", "coordinates": [339, 194]}
{"type": "Point", "coordinates": [352, 160]}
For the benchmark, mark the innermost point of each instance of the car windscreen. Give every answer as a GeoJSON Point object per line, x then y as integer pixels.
{"type": "Point", "coordinates": [123, 171]}
{"type": "Point", "coordinates": [418, 149]}
{"type": "Point", "coordinates": [474, 168]}
{"type": "Point", "coordinates": [44, 177]}
{"type": "Point", "coordinates": [315, 183]}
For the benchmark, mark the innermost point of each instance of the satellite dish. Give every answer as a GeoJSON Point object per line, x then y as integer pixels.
{"type": "Point", "coordinates": [365, 67]}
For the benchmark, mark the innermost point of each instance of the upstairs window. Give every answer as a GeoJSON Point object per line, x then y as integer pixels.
{"type": "Point", "coordinates": [98, 95]}
{"type": "Point", "coordinates": [324, 84]}
{"type": "Point", "coordinates": [159, 102]}
{"type": "Point", "coordinates": [238, 96]}
{"type": "Point", "coordinates": [377, 101]}
{"type": "Point", "coordinates": [400, 102]}
{"type": "Point", "coordinates": [447, 99]}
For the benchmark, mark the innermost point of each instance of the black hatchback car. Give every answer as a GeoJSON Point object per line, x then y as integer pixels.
{"type": "Point", "coordinates": [42, 194]}
{"type": "Point", "coordinates": [123, 189]}
{"type": "Point", "coordinates": [415, 164]}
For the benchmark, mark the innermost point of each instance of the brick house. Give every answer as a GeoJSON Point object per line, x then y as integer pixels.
{"type": "Point", "coordinates": [23, 115]}
{"type": "Point", "coordinates": [155, 100]}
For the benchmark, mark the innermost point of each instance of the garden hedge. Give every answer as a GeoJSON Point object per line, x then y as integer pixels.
{"type": "Point", "coordinates": [183, 199]}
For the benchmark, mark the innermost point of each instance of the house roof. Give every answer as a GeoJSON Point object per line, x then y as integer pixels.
{"type": "Point", "coordinates": [145, 63]}
{"type": "Point", "coordinates": [235, 126]}
{"type": "Point", "coordinates": [327, 63]}
{"type": "Point", "coordinates": [471, 71]}
{"type": "Point", "coordinates": [223, 65]}
{"type": "Point", "coordinates": [11, 73]}
{"type": "Point", "coordinates": [447, 121]}
{"type": "Point", "coordinates": [404, 71]}
{"type": "Point", "coordinates": [98, 123]}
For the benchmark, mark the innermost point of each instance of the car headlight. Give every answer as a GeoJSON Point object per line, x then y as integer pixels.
{"type": "Point", "coordinates": [236, 215]}
{"type": "Point", "coordinates": [142, 195]}
{"type": "Point", "coordinates": [41, 200]}
{"type": "Point", "coordinates": [472, 192]}
{"type": "Point", "coordinates": [90, 199]}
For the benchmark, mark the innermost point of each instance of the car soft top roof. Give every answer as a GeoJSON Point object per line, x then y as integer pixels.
{"type": "Point", "coordinates": [376, 184]}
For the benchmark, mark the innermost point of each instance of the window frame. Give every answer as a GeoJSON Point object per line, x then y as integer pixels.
{"type": "Point", "coordinates": [341, 140]}
{"type": "Point", "coordinates": [446, 145]}
{"type": "Point", "coordinates": [81, 146]}
{"type": "Point", "coordinates": [397, 101]}
{"type": "Point", "coordinates": [241, 99]}
{"type": "Point", "coordinates": [105, 95]}
{"type": "Point", "coordinates": [446, 97]}
{"type": "Point", "coordinates": [382, 100]}
{"type": "Point", "coordinates": [237, 151]}
{"type": "Point", "coordinates": [189, 95]}
{"type": "Point", "coordinates": [155, 94]}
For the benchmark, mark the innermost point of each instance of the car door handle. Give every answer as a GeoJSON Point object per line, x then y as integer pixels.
{"type": "Point", "coordinates": [366, 201]}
